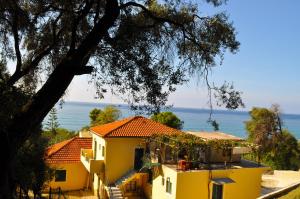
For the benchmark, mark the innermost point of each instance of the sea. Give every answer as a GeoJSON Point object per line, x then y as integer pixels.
{"type": "Point", "coordinates": [75, 115]}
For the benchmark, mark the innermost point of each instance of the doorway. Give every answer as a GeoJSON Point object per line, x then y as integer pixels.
{"type": "Point", "coordinates": [138, 158]}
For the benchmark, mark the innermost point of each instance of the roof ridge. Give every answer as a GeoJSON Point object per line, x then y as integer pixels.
{"type": "Point", "coordinates": [164, 125]}
{"type": "Point", "coordinates": [67, 142]}
{"type": "Point", "coordinates": [129, 120]}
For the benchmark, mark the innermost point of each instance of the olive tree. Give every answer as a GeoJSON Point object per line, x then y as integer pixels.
{"type": "Point", "coordinates": [138, 49]}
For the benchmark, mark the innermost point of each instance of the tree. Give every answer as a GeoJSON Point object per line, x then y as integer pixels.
{"type": "Point", "coordinates": [52, 123]}
{"type": "Point", "coordinates": [278, 148]}
{"type": "Point", "coordinates": [107, 115]}
{"type": "Point", "coordinates": [263, 129]}
{"type": "Point", "coordinates": [127, 46]}
{"type": "Point", "coordinates": [60, 135]}
{"type": "Point", "coordinates": [94, 114]}
{"type": "Point", "coordinates": [169, 119]}
{"type": "Point", "coordinates": [286, 153]}
{"type": "Point", "coordinates": [31, 170]}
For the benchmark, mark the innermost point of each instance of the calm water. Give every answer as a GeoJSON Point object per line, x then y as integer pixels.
{"type": "Point", "coordinates": [75, 115]}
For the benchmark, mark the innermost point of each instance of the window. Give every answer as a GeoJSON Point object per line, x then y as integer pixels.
{"type": "Point", "coordinates": [162, 181]}
{"type": "Point", "coordinates": [217, 191]}
{"type": "Point", "coordinates": [169, 186]}
{"type": "Point", "coordinates": [60, 175]}
{"type": "Point", "coordinates": [103, 152]}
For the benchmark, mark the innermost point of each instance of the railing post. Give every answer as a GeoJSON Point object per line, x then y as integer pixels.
{"type": "Point", "coordinates": [50, 193]}
{"type": "Point", "coordinates": [59, 192]}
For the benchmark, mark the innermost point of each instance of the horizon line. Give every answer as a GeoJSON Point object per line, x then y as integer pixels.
{"type": "Point", "coordinates": [180, 107]}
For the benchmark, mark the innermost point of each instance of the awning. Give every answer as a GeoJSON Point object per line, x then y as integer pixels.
{"type": "Point", "coordinates": [222, 181]}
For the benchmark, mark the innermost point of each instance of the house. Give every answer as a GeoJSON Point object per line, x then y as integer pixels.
{"type": "Point", "coordinates": [122, 160]}
{"type": "Point", "coordinates": [219, 176]}
{"type": "Point", "coordinates": [64, 157]}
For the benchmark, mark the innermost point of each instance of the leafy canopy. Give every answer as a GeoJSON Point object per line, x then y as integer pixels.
{"type": "Point", "coordinates": [60, 135]}
{"type": "Point", "coordinates": [108, 114]}
{"type": "Point", "coordinates": [169, 119]}
{"type": "Point", "coordinates": [278, 148]}
{"type": "Point", "coordinates": [151, 47]}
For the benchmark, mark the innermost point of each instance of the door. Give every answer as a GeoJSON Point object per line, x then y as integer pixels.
{"type": "Point", "coordinates": [217, 191]}
{"type": "Point", "coordinates": [138, 158]}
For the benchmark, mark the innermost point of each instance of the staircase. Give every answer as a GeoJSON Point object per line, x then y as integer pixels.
{"type": "Point", "coordinates": [114, 190]}
{"type": "Point", "coordinates": [125, 177]}
{"type": "Point", "coordinates": [115, 193]}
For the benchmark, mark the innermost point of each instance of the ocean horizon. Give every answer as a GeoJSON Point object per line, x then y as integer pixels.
{"type": "Point", "coordinates": [75, 115]}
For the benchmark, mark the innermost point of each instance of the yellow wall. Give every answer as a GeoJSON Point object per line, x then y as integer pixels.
{"type": "Point", "coordinates": [76, 177]}
{"type": "Point", "coordinates": [100, 143]}
{"type": "Point", "coordinates": [159, 190]}
{"type": "Point", "coordinates": [192, 185]}
{"type": "Point", "coordinates": [196, 184]}
{"type": "Point", "coordinates": [247, 182]}
{"type": "Point", "coordinates": [119, 157]}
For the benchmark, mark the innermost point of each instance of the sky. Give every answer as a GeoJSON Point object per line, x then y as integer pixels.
{"type": "Point", "coordinates": [266, 67]}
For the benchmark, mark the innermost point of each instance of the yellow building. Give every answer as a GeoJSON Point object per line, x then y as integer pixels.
{"type": "Point", "coordinates": [113, 166]}
{"type": "Point", "coordinates": [64, 157]}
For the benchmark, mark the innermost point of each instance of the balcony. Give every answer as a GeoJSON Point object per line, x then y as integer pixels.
{"type": "Point", "coordinates": [91, 165]}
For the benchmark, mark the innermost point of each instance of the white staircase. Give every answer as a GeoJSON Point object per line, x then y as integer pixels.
{"type": "Point", "coordinates": [115, 193]}
{"type": "Point", "coordinates": [125, 177]}
{"type": "Point", "coordinates": [114, 190]}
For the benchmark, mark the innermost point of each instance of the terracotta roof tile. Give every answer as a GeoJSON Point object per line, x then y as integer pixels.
{"type": "Point", "coordinates": [137, 126]}
{"type": "Point", "coordinates": [215, 136]}
{"type": "Point", "coordinates": [67, 151]}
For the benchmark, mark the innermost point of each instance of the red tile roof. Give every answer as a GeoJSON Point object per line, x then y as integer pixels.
{"type": "Point", "coordinates": [137, 126]}
{"type": "Point", "coordinates": [67, 151]}
{"type": "Point", "coordinates": [215, 136]}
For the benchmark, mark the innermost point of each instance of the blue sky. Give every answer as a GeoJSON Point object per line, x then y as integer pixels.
{"type": "Point", "coordinates": [266, 68]}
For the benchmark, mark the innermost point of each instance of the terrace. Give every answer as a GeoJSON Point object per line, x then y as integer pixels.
{"type": "Point", "coordinates": [188, 151]}
{"type": "Point", "coordinates": [91, 165]}
{"type": "Point", "coordinates": [214, 166]}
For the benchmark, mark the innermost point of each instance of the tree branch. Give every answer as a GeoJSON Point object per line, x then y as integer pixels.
{"type": "Point", "coordinates": [84, 70]}
{"type": "Point", "coordinates": [84, 13]}
{"type": "Point", "coordinates": [16, 43]}
{"type": "Point", "coordinates": [33, 63]}
{"type": "Point", "coordinates": [40, 104]}
{"type": "Point", "coordinates": [151, 14]}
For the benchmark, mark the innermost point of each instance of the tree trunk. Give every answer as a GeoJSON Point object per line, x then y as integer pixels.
{"type": "Point", "coordinates": [33, 113]}
{"type": "Point", "coordinates": [6, 174]}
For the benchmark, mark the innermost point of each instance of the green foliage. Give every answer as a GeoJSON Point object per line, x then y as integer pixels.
{"type": "Point", "coordinates": [192, 144]}
{"type": "Point", "coordinates": [60, 135]}
{"type": "Point", "coordinates": [286, 153]}
{"type": "Point", "coordinates": [94, 114]}
{"type": "Point", "coordinates": [263, 129]}
{"type": "Point", "coordinates": [108, 114]}
{"type": "Point", "coordinates": [277, 147]}
{"type": "Point", "coordinates": [136, 55]}
{"type": "Point", "coordinates": [169, 119]}
{"type": "Point", "coordinates": [30, 168]}
{"type": "Point", "coordinates": [215, 125]}
{"type": "Point", "coordinates": [52, 123]}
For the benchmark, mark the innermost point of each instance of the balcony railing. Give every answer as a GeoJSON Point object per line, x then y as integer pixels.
{"type": "Point", "coordinates": [92, 165]}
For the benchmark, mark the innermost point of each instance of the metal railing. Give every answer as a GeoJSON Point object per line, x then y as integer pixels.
{"type": "Point", "coordinates": [56, 193]}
